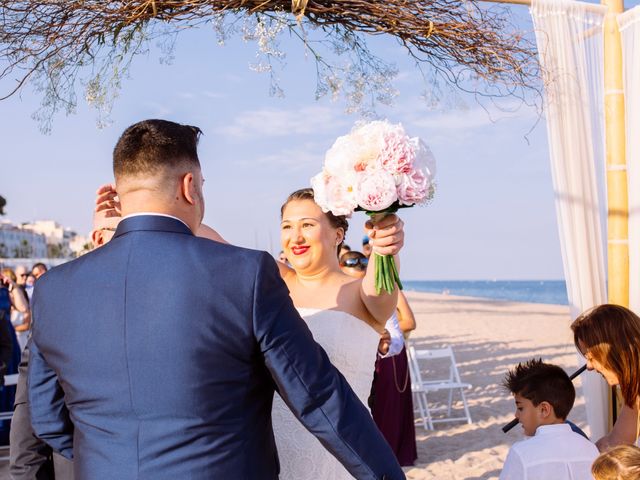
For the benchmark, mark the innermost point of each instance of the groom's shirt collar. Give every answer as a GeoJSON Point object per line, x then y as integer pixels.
{"type": "Point", "coordinates": [138, 214]}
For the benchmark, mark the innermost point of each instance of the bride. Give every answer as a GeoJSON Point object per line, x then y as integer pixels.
{"type": "Point", "coordinates": [345, 315]}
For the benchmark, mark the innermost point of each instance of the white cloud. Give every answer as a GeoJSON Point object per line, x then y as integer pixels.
{"type": "Point", "coordinates": [214, 95]}
{"type": "Point", "coordinates": [311, 120]}
{"type": "Point", "coordinates": [295, 158]}
{"type": "Point", "coordinates": [467, 118]}
{"type": "Point", "coordinates": [159, 110]}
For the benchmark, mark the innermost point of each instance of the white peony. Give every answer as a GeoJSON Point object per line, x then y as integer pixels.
{"type": "Point", "coordinates": [376, 191]}
{"type": "Point", "coordinates": [334, 195]}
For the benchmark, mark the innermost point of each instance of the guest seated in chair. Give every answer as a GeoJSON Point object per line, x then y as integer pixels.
{"type": "Point", "coordinates": [544, 396]}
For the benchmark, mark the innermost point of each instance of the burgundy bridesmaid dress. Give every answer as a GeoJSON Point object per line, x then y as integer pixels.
{"type": "Point", "coordinates": [392, 407]}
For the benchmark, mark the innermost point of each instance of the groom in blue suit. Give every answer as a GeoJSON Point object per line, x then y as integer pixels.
{"type": "Point", "coordinates": [135, 374]}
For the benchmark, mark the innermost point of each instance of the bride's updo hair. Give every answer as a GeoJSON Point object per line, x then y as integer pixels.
{"type": "Point", "coordinates": [336, 221]}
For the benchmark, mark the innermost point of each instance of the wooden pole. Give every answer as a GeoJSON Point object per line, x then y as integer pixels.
{"type": "Point", "coordinates": [618, 203]}
{"type": "Point", "coordinates": [616, 162]}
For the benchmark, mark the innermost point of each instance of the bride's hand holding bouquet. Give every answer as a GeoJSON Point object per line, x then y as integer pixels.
{"type": "Point", "coordinates": [377, 168]}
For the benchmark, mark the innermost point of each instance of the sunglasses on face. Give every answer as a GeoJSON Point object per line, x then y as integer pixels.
{"type": "Point", "coordinates": [356, 263]}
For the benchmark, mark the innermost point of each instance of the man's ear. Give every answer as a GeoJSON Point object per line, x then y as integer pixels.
{"type": "Point", "coordinates": [188, 188]}
{"type": "Point", "coordinates": [96, 238]}
{"type": "Point", "coordinates": [545, 409]}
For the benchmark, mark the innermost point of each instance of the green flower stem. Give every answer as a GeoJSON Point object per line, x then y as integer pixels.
{"type": "Point", "coordinates": [386, 275]}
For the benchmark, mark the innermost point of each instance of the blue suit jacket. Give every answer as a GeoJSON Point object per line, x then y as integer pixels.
{"type": "Point", "coordinates": [157, 355]}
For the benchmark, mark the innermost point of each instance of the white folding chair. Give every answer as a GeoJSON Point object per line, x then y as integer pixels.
{"type": "Point", "coordinates": [421, 388]}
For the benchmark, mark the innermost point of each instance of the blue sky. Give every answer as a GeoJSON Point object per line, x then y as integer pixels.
{"type": "Point", "coordinates": [493, 216]}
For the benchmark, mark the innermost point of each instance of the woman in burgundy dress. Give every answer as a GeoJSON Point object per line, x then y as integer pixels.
{"type": "Point", "coordinates": [392, 407]}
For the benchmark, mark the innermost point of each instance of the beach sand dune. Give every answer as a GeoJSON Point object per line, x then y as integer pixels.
{"type": "Point", "coordinates": [488, 337]}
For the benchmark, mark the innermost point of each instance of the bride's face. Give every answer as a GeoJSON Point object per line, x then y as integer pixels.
{"type": "Point", "coordinates": [307, 237]}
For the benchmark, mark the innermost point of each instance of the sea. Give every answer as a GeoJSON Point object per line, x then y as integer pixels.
{"type": "Point", "coordinates": [530, 291]}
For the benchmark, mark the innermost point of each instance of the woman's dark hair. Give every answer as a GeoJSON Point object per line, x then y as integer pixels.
{"type": "Point", "coordinates": [611, 334]}
{"type": "Point", "coordinates": [336, 221]}
{"type": "Point", "coordinates": [151, 145]}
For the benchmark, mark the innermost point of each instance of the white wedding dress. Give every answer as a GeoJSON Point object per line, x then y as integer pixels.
{"type": "Point", "coordinates": [351, 345]}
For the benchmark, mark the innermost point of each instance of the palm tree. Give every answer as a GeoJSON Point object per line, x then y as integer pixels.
{"type": "Point", "coordinates": [24, 250]}
{"type": "Point", "coordinates": [3, 202]}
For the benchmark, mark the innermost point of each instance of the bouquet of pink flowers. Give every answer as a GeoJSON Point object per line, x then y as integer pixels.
{"type": "Point", "coordinates": [377, 168]}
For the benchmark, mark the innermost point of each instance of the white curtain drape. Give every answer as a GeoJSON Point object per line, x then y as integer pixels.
{"type": "Point", "coordinates": [569, 38]}
{"type": "Point", "coordinates": [629, 23]}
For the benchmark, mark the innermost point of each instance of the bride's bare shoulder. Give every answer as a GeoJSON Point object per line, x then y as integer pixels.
{"type": "Point", "coordinates": [350, 301]}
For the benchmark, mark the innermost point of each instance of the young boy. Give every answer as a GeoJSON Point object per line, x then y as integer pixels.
{"type": "Point", "coordinates": [544, 395]}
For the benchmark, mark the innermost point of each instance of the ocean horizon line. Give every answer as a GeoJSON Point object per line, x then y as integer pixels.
{"type": "Point", "coordinates": [552, 292]}
{"type": "Point", "coordinates": [485, 280]}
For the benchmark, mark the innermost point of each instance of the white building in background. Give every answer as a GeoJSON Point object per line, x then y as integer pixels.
{"type": "Point", "coordinates": [59, 238]}
{"type": "Point", "coordinates": [79, 245]}
{"type": "Point", "coordinates": [16, 242]}
{"type": "Point", "coordinates": [40, 239]}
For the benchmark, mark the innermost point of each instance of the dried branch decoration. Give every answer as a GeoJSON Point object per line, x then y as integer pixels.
{"type": "Point", "coordinates": [56, 44]}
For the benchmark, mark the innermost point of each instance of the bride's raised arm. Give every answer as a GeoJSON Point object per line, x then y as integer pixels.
{"type": "Point", "coordinates": [386, 238]}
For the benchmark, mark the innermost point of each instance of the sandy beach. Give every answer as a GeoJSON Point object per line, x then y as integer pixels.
{"type": "Point", "coordinates": [488, 337]}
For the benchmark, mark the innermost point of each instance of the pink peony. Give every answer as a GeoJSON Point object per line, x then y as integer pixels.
{"type": "Point", "coordinates": [376, 191]}
{"type": "Point", "coordinates": [417, 185]}
{"type": "Point", "coordinates": [413, 188]}
{"type": "Point", "coordinates": [398, 152]}
{"type": "Point", "coordinates": [334, 195]}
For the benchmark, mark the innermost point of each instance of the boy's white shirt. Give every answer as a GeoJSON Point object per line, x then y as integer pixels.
{"type": "Point", "coordinates": [554, 452]}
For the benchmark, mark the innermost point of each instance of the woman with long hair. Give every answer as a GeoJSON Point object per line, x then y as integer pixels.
{"type": "Point", "coordinates": [609, 338]}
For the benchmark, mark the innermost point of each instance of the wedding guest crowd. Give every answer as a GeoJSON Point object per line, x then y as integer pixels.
{"type": "Point", "coordinates": [10, 298]}
{"type": "Point", "coordinates": [30, 457]}
{"type": "Point", "coordinates": [19, 284]}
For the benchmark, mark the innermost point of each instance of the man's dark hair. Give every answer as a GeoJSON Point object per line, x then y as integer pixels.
{"type": "Point", "coordinates": [39, 265]}
{"type": "Point", "coordinates": [152, 145]}
{"type": "Point", "coordinates": [542, 382]}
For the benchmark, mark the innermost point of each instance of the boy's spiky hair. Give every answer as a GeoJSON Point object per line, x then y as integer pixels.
{"type": "Point", "coordinates": [542, 382]}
